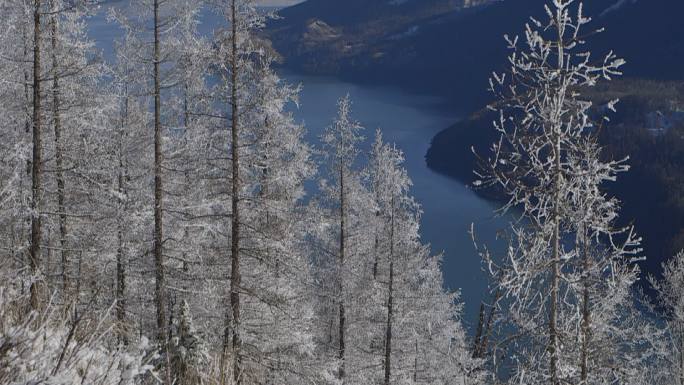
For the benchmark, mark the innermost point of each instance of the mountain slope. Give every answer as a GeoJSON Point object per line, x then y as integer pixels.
{"type": "Point", "coordinates": [444, 48]}
{"type": "Point", "coordinates": [441, 47]}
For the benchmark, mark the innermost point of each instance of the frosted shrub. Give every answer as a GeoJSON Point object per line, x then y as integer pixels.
{"type": "Point", "coordinates": [49, 348]}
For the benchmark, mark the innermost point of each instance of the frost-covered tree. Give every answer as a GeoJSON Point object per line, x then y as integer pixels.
{"type": "Point", "coordinates": [424, 342]}
{"type": "Point", "coordinates": [251, 208]}
{"type": "Point", "coordinates": [345, 200]}
{"type": "Point", "coordinates": [671, 301]}
{"type": "Point", "coordinates": [15, 140]}
{"type": "Point", "coordinates": [77, 160]}
{"type": "Point", "coordinates": [68, 122]}
{"type": "Point", "coordinates": [24, 45]}
{"type": "Point", "coordinates": [566, 277]}
{"type": "Point", "coordinates": [162, 63]}
{"type": "Point", "coordinates": [129, 211]}
{"type": "Point", "coordinates": [277, 278]}
{"type": "Point", "coordinates": [384, 315]}
{"type": "Point", "coordinates": [237, 52]}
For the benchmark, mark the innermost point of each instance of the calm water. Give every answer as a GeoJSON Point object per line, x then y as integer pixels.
{"type": "Point", "coordinates": [449, 207]}
{"type": "Point", "coordinates": [410, 121]}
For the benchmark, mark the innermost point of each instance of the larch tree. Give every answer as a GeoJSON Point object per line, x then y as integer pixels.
{"type": "Point", "coordinates": [344, 200]}
{"type": "Point", "coordinates": [566, 276]}
{"type": "Point", "coordinates": [235, 63]}
{"type": "Point", "coordinates": [37, 290]}
{"type": "Point", "coordinates": [157, 69]}
{"type": "Point", "coordinates": [77, 153]}
{"type": "Point", "coordinates": [671, 303]}
{"type": "Point", "coordinates": [64, 99]}
{"type": "Point", "coordinates": [129, 214]}
{"type": "Point", "coordinates": [277, 278]}
{"type": "Point", "coordinates": [424, 341]}
{"type": "Point", "coordinates": [15, 140]}
{"type": "Point", "coordinates": [390, 184]}
{"type": "Point", "coordinates": [257, 163]}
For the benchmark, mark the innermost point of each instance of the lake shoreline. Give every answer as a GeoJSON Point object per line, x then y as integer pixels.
{"type": "Point", "coordinates": [449, 206]}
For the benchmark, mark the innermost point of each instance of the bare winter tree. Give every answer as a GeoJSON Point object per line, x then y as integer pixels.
{"type": "Point", "coordinates": [567, 268]}
{"type": "Point", "coordinates": [342, 138]}
{"type": "Point", "coordinates": [155, 57]}
{"type": "Point", "coordinates": [37, 289]}
{"type": "Point", "coordinates": [671, 301]}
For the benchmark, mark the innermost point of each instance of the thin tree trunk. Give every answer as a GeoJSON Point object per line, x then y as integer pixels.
{"type": "Point", "coordinates": [160, 283]}
{"type": "Point", "coordinates": [36, 228]}
{"type": "Point", "coordinates": [120, 254]}
{"type": "Point", "coordinates": [555, 263]}
{"type": "Point", "coordinates": [477, 341]}
{"type": "Point", "coordinates": [376, 245]}
{"type": "Point", "coordinates": [484, 343]}
{"type": "Point", "coordinates": [342, 316]}
{"type": "Point", "coordinates": [415, 364]}
{"type": "Point", "coordinates": [555, 270]}
{"type": "Point", "coordinates": [553, 298]}
{"type": "Point", "coordinates": [160, 276]}
{"type": "Point", "coordinates": [390, 304]}
{"type": "Point", "coordinates": [235, 277]}
{"type": "Point", "coordinates": [121, 279]}
{"type": "Point", "coordinates": [375, 255]}
{"type": "Point", "coordinates": [79, 280]}
{"type": "Point", "coordinates": [28, 98]}
{"type": "Point", "coordinates": [586, 319]}
{"type": "Point", "coordinates": [59, 158]}
{"type": "Point", "coordinates": [186, 106]}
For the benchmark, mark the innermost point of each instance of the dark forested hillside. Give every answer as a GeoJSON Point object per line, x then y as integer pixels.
{"type": "Point", "coordinates": [441, 47]}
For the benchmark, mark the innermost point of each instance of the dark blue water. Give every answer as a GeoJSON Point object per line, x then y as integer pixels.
{"type": "Point", "coordinates": [449, 207]}
{"type": "Point", "coordinates": [411, 121]}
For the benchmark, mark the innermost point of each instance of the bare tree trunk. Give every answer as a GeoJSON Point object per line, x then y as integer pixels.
{"type": "Point", "coordinates": [186, 106]}
{"type": "Point", "coordinates": [235, 277]}
{"type": "Point", "coordinates": [415, 364]}
{"type": "Point", "coordinates": [555, 263]}
{"type": "Point", "coordinates": [477, 341]}
{"type": "Point", "coordinates": [376, 245]}
{"type": "Point", "coordinates": [553, 298]}
{"type": "Point", "coordinates": [79, 280]}
{"type": "Point", "coordinates": [120, 253]}
{"type": "Point", "coordinates": [160, 276]}
{"type": "Point", "coordinates": [160, 283]}
{"type": "Point", "coordinates": [375, 255]}
{"type": "Point", "coordinates": [342, 315]}
{"type": "Point", "coordinates": [36, 228]}
{"type": "Point", "coordinates": [59, 158]}
{"type": "Point", "coordinates": [484, 342]}
{"type": "Point", "coordinates": [28, 98]}
{"type": "Point", "coordinates": [586, 314]}
{"type": "Point", "coordinates": [24, 232]}
{"type": "Point", "coordinates": [390, 304]}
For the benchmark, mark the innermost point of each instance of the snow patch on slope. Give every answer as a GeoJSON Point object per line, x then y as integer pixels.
{"type": "Point", "coordinates": [319, 30]}
{"type": "Point", "coordinates": [616, 6]}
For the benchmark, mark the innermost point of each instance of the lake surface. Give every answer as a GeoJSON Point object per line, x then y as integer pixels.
{"type": "Point", "coordinates": [410, 121]}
